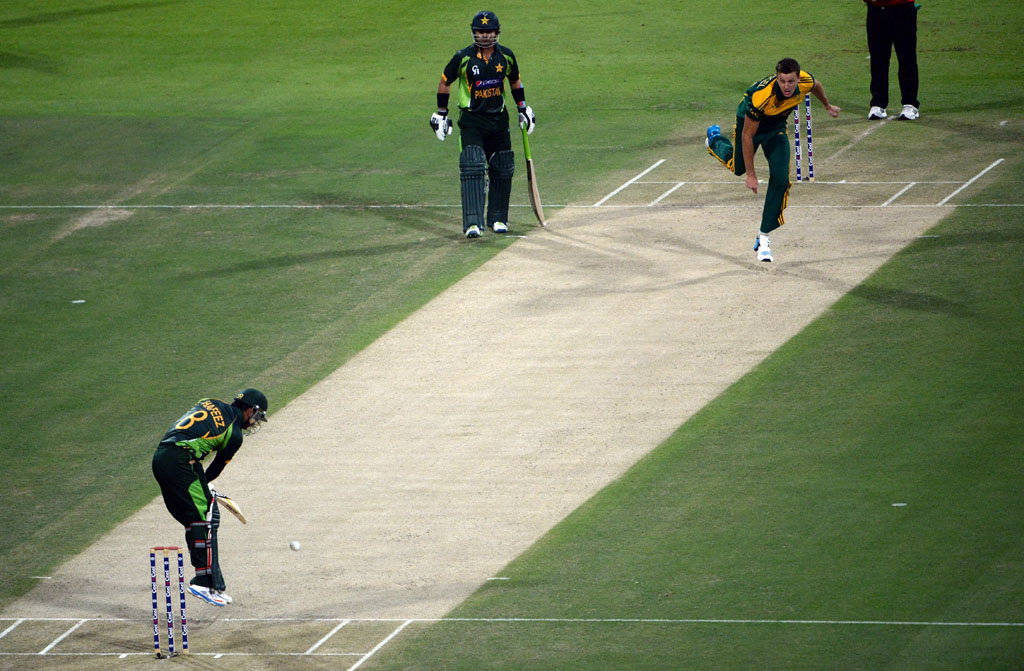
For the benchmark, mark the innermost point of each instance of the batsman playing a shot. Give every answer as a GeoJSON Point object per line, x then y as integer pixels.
{"type": "Point", "coordinates": [762, 121]}
{"type": "Point", "coordinates": [478, 74]}
{"type": "Point", "coordinates": [211, 426]}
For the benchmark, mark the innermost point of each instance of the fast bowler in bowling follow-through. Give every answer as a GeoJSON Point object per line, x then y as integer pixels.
{"type": "Point", "coordinates": [762, 119]}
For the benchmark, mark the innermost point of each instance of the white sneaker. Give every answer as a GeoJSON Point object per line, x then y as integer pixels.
{"type": "Point", "coordinates": [909, 113]}
{"type": "Point", "coordinates": [763, 248]}
{"type": "Point", "coordinates": [499, 227]}
{"type": "Point", "coordinates": [222, 595]}
{"type": "Point", "coordinates": [473, 232]}
{"type": "Point", "coordinates": [877, 113]}
{"type": "Point", "coordinates": [207, 595]}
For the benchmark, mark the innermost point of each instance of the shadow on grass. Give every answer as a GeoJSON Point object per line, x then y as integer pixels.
{"type": "Point", "coordinates": [9, 59]}
{"type": "Point", "coordinates": [55, 17]}
{"type": "Point", "coordinates": [910, 300]}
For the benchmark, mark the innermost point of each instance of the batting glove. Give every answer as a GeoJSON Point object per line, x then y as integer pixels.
{"type": "Point", "coordinates": [441, 124]}
{"type": "Point", "coordinates": [527, 119]}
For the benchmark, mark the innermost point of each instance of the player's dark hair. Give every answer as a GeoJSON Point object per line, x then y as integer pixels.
{"type": "Point", "coordinates": [786, 66]}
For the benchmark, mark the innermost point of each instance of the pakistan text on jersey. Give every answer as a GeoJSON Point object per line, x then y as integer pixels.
{"type": "Point", "coordinates": [487, 93]}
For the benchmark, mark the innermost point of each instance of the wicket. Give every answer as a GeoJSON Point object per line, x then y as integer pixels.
{"type": "Point", "coordinates": [167, 593]}
{"type": "Point", "coordinates": [796, 140]}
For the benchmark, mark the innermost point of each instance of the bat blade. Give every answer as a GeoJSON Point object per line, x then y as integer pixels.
{"type": "Point", "coordinates": [531, 182]}
{"type": "Point", "coordinates": [232, 508]}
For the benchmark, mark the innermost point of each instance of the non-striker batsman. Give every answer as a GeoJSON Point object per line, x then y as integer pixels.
{"type": "Point", "coordinates": [478, 73]}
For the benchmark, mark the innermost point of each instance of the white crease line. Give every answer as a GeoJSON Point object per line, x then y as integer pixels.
{"type": "Point", "coordinates": [662, 196]}
{"type": "Point", "coordinates": [969, 182]}
{"type": "Point", "coordinates": [61, 637]}
{"type": "Point", "coordinates": [380, 645]}
{"type": "Point", "coordinates": [601, 202]}
{"type": "Point", "coordinates": [325, 638]}
{"type": "Point", "coordinates": [8, 629]}
{"type": "Point", "coordinates": [818, 181]}
{"type": "Point", "coordinates": [855, 140]}
{"type": "Point", "coordinates": [900, 193]}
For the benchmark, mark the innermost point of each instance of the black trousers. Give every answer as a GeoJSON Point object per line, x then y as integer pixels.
{"type": "Point", "coordinates": [489, 131]}
{"type": "Point", "coordinates": [893, 27]}
{"type": "Point", "coordinates": [187, 497]}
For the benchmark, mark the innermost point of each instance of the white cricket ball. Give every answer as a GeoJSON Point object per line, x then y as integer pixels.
{"type": "Point", "coordinates": [295, 545]}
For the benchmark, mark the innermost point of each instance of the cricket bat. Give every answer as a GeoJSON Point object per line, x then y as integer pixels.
{"type": "Point", "coordinates": [531, 182]}
{"type": "Point", "coordinates": [232, 507]}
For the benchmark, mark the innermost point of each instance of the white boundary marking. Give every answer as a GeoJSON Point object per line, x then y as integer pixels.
{"type": "Point", "coordinates": [969, 182]}
{"type": "Point", "coordinates": [900, 193]}
{"type": "Point", "coordinates": [327, 637]}
{"type": "Point", "coordinates": [380, 645]}
{"type": "Point", "coordinates": [601, 202]}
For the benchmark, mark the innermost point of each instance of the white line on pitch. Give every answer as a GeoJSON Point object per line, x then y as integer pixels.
{"type": "Point", "coordinates": [855, 140]}
{"type": "Point", "coordinates": [662, 196]}
{"type": "Point", "coordinates": [380, 645]}
{"type": "Point", "coordinates": [900, 193]}
{"type": "Point", "coordinates": [969, 182]}
{"type": "Point", "coordinates": [601, 202]}
{"type": "Point", "coordinates": [325, 638]}
{"type": "Point", "coordinates": [61, 637]}
{"type": "Point", "coordinates": [8, 629]}
{"type": "Point", "coordinates": [820, 181]}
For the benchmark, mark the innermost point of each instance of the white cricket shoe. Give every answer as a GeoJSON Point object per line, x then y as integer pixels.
{"type": "Point", "coordinates": [909, 113]}
{"type": "Point", "coordinates": [473, 232]}
{"type": "Point", "coordinates": [207, 595]}
{"type": "Point", "coordinates": [763, 248]}
{"type": "Point", "coordinates": [222, 595]}
{"type": "Point", "coordinates": [877, 113]}
{"type": "Point", "coordinates": [499, 227]}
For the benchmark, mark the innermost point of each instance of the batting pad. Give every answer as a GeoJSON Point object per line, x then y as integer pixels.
{"type": "Point", "coordinates": [472, 164]}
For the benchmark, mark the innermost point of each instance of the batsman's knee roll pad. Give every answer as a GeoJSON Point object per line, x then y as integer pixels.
{"type": "Point", "coordinates": [472, 167]}
{"type": "Point", "coordinates": [503, 164]}
{"type": "Point", "coordinates": [472, 161]}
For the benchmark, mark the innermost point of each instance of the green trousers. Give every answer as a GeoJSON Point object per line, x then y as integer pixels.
{"type": "Point", "coordinates": [774, 144]}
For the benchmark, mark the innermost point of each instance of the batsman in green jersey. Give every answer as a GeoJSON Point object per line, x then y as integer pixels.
{"type": "Point", "coordinates": [478, 73]}
{"type": "Point", "coordinates": [211, 426]}
{"type": "Point", "coordinates": [762, 120]}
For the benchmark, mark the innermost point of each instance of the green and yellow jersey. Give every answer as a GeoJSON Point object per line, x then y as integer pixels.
{"type": "Point", "coordinates": [210, 426]}
{"type": "Point", "coordinates": [479, 83]}
{"type": "Point", "coordinates": [764, 102]}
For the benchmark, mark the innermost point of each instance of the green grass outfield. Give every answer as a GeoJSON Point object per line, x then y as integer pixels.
{"type": "Point", "coordinates": [178, 103]}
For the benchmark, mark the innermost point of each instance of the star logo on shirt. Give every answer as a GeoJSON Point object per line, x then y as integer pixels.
{"type": "Point", "coordinates": [499, 67]}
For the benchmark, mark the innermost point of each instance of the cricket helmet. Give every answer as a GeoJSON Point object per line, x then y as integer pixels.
{"type": "Point", "coordinates": [253, 398]}
{"type": "Point", "coordinates": [485, 22]}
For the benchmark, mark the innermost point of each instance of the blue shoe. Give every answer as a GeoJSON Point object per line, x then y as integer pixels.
{"type": "Point", "coordinates": [714, 131]}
